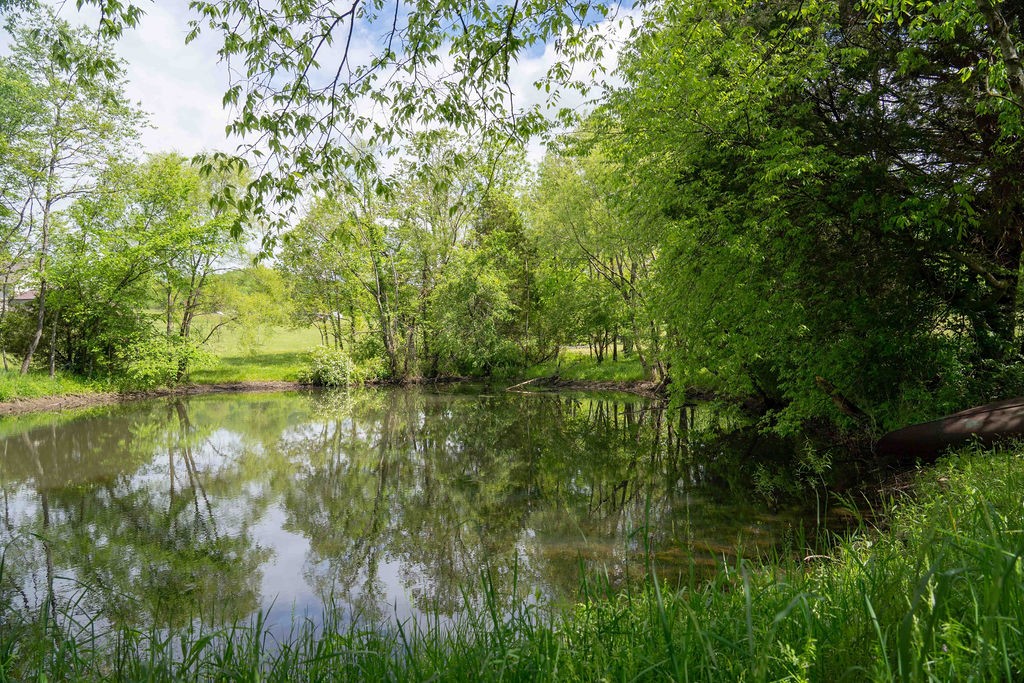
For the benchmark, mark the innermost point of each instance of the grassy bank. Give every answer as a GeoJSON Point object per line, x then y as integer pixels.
{"type": "Point", "coordinates": [939, 595]}
{"type": "Point", "coordinates": [279, 355]}
{"type": "Point", "coordinates": [14, 385]}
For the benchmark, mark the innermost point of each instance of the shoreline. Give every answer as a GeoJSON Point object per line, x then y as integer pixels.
{"type": "Point", "coordinates": [60, 403]}
{"type": "Point", "coordinates": [644, 388]}
{"type": "Point", "coordinates": [44, 404]}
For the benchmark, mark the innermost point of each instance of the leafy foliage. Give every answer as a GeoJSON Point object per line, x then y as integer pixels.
{"type": "Point", "coordinates": [333, 368]}
{"type": "Point", "coordinates": [834, 200]}
{"type": "Point", "coordinates": [156, 361]}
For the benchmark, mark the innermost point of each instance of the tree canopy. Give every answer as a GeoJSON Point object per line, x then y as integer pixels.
{"type": "Point", "coordinates": [816, 204]}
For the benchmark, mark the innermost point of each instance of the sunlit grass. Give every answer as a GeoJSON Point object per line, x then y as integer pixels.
{"type": "Point", "coordinates": [282, 365]}
{"type": "Point", "coordinates": [277, 353]}
{"type": "Point", "coordinates": [937, 596]}
{"type": "Point", "coordinates": [581, 366]}
{"type": "Point", "coordinates": [232, 342]}
{"type": "Point", "coordinates": [38, 384]}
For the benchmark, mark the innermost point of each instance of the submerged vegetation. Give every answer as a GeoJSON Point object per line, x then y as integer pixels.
{"type": "Point", "coordinates": [935, 595]}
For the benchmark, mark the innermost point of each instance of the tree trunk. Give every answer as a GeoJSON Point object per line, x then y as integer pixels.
{"type": "Point", "coordinates": [41, 318]}
{"type": "Point", "coordinates": [34, 344]}
{"type": "Point", "coordinates": [3, 314]}
{"type": "Point", "coordinates": [170, 309]}
{"type": "Point", "coordinates": [1000, 33]}
{"type": "Point", "coordinates": [53, 345]}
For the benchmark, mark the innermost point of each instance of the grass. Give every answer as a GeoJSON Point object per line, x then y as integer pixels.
{"type": "Point", "coordinates": [271, 341]}
{"type": "Point", "coordinates": [39, 384]}
{"type": "Point", "coordinates": [937, 596]}
{"type": "Point", "coordinates": [579, 365]}
{"type": "Point", "coordinates": [284, 365]}
{"type": "Point", "coordinates": [279, 354]}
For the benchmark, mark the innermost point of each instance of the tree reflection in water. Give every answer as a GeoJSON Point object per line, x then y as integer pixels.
{"type": "Point", "coordinates": [166, 512]}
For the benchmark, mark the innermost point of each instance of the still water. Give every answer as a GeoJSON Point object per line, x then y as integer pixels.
{"type": "Point", "coordinates": [387, 504]}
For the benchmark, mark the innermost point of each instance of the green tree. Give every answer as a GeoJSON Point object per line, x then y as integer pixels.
{"type": "Point", "coordinates": [365, 260]}
{"type": "Point", "coordinates": [320, 287]}
{"type": "Point", "coordinates": [196, 244]}
{"type": "Point", "coordinates": [102, 277]}
{"type": "Point", "coordinates": [480, 311]}
{"type": "Point", "coordinates": [20, 112]}
{"type": "Point", "coordinates": [145, 238]}
{"type": "Point", "coordinates": [839, 203]}
{"type": "Point", "coordinates": [82, 120]}
{"type": "Point", "coordinates": [584, 220]}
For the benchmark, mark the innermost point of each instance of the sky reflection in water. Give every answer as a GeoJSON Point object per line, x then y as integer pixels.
{"type": "Point", "coordinates": [385, 503]}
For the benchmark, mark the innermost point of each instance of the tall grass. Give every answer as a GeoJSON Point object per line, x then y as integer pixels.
{"type": "Point", "coordinates": [938, 595]}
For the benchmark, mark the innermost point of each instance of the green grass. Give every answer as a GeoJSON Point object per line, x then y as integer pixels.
{"type": "Point", "coordinates": [39, 384]}
{"type": "Point", "coordinates": [270, 341]}
{"type": "Point", "coordinates": [280, 354]}
{"type": "Point", "coordinates": [938, 596]}
{"type": "Point", "coordinates": [579, 365]}
{"type": "Point", "coordinates": [253, 367]}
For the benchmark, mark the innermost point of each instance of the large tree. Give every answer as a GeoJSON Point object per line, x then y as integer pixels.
{"type": "Point", "coordinates": [840, 193]}
{"type": "Point", "coordinates": [81, 119]}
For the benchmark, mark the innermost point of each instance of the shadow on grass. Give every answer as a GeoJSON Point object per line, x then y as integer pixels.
{"type": "Point", "coordinates": [254, 367]}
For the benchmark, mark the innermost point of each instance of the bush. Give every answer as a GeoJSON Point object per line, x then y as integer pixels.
{"type": "Point", "coordinates": [334, 368]}
{"type": "Point", "coordinates": [160, 361]}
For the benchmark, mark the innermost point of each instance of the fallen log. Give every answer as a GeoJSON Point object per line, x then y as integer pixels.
{"type": "Point", "coordinates": [928, 440]}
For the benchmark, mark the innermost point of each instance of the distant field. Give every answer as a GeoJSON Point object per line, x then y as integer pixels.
{"type": "Point", "coordinates": [278, 353]}
{"type": "Point", "coordinates": [271, 341]}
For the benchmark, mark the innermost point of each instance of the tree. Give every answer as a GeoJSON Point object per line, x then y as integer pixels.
{"type": "Point", "coordinates": [83, 119]}
{"type": "Point", "coordinates": [367, 260]}
{"type": "Point", "coordinates": [144, 239]}
{"type": "Point", "coordinates": [307, 94]}
{"type": "Point", "coordinates": [320, 286]}
{"type": "Point", "coordinates": [20, 111]}
{"type": "Point", "coordinates": [839, 202]}
{"type": "Point", "coordinates": [252, 301]}
{"type": "Point", "coordinates": [196, 242]}
{"type": "Point", "coordinates": [102, 276]}
{"type": "Point", "coordinates": [304, 107]}
{"type": "Point", "coordinates": [580, 207]}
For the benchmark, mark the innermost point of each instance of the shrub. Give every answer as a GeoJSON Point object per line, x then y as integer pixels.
{"type": "Point", "coordinates": [160, 361]}
{"type": "Point", "coordinates": [330, 368]}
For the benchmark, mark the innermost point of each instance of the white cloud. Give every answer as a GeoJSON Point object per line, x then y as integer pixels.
{"type": "Point", "coordinates": [181, 86]}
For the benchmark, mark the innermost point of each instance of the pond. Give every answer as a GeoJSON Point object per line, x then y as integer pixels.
{"type": "Point", "coordinates": [387, 504]}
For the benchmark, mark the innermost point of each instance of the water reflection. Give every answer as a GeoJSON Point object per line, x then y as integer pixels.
{"type": "Point", "coordinates": [385, 503]}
